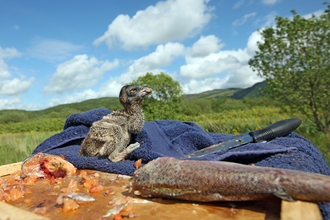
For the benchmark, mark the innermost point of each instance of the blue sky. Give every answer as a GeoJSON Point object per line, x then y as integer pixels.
{"type": "Point", "coordinates": [56, 52]}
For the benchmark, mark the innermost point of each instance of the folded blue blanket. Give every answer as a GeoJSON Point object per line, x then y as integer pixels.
{"type": "Point", "coordinates": [176, 139]}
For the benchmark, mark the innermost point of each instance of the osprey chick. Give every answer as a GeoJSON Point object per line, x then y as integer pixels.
{"type": "Point", "coordinates": [111, 135]}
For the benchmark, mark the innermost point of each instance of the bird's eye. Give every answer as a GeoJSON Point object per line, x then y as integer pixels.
{"type": "Point", "coordinates": [133, 90]}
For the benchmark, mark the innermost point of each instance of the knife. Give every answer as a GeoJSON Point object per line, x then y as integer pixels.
{"type": "Point", "coordinates": [278, 129]}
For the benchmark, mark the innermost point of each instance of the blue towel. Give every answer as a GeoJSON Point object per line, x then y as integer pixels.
{"type": "Point", "coordinates": [176, 139]}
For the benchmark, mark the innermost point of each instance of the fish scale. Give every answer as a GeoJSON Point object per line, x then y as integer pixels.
{"type": "Point", "coordinates": [224, 181]}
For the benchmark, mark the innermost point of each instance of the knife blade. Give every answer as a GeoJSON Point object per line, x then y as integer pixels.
{"type": "Point", "coordinates": [278, 129]}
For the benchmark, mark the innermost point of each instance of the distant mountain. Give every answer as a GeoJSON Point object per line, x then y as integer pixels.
{"type": "Point", "coordinates": [251, 92]}
{"type": "Point", "coordinates": [216, 93]}
{"type": "Point", "coordinates": [59, 111]}
{"type": "Point", "coordinates": [64, 110]}
{"type": "Point", "coordinates": [235, 93]}
{"type": "Point", "coordinates": [108, 102]}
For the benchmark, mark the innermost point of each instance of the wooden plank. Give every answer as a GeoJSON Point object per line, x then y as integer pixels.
{"type": "Point", "coordinates": [300, 210]}
{"type": "Point", "coordinates": [10, 168]}
{"type": "Point", "coordinates": [10, 212]}
{"type": "Point", "coordinates": [288, 210]}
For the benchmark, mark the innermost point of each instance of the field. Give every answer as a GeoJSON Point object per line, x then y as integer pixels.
{"type": "Point", "coordinates": [243, 121]}
{"type": "Point", "coordinates": [16, 147]}
{"type": "Point", "coordinates": [18, 143]}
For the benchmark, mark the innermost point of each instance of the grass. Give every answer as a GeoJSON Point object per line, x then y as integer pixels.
{"type": "Point", "coordinates": [16, 147]}
{"type": "Point", "coordinates": [243, 121]}
{"type": "Point", "coordinates": [322, 141]}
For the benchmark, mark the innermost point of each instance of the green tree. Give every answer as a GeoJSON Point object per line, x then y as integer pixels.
{"type": "Point", "coordinates": [13, 116]}
{"type": "Point", "coordinates": [164, 103]}
{"type": "Point", "coordinates": [294, 57]}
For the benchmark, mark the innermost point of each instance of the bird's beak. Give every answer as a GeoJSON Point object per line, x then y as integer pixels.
{"type": "Point", "coordinates": [145, 91]}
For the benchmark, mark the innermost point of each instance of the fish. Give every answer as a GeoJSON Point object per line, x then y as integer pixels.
{"type": "Point", "coordinates": [207, 181]}
{"type": "Point", "coordinates": [47, 165]}
{"type": "Point", "coordinates": [78, 197]}
{"type": "Point", "coordinates": [116, 209]}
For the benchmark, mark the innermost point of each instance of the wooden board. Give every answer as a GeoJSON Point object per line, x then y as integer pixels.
{"type": "Point", "coordinates": [45, 195]}
{"type": "Point", "coordinates": [300, 210]}
{"type": "Point", "coordinates": [10, 212]}
{"type": "Point", "coordinates": [10, 168]}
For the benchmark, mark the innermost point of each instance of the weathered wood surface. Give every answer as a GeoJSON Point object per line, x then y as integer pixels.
{"type": "Point", "coordinates": [12, 213]}
{"type": "Point", "coordinates": [300, 210]}
{"type": "Point", "coordinates": [274, 209]}
{"type": "Point", "coordinates": [10, 168]}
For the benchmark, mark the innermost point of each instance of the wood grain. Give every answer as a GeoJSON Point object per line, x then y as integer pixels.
{"type": "Point", "coordinates": [10, 168]}
{"type": "Point", "coordinates": [10, 212]}
{"type": "Point", "coordinates": [168, 209]}
{"type": "Point", "coordinates": [300, 210]}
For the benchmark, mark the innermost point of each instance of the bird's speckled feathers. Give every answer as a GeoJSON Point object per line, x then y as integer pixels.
{"type": "Point", "coordinates": [111, 135]}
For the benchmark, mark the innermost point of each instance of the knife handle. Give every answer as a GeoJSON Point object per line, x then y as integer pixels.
{"type": "Point", "coordinates": [278, 129]}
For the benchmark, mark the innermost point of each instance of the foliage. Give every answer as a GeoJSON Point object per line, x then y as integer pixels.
{"type": "Point", "coordinates": [57, 112]}
{"type": "Point", "coordinates": [164, 103]}
{"type": "Point", "coordinates": [63, 111]}
{"type": "Point", "coordinates": [294, 59]}
{"type": "Point", "coordinates": [12, 117]}
{"type": "Point", "coordinates": [231, 117]}
{"type": "Point", "coordinates": [196, 106]}
{"type": "Point", "coordinates": [51, 124]}
{"type": "Point", "coordinates": [251, 92]}
{"type": "Point", "coordinates": [16, 147]}
{"type": "Point", "coordinates": [216, 93]}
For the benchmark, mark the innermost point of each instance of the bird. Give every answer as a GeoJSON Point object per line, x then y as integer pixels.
{"type": "Point", "coordinates": [111, 136]}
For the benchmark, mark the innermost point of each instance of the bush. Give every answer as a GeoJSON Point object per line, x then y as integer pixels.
{"type": "Point", "coordinates": [13, 117]}
{"type": "Point", "coordinates": [54, 124]}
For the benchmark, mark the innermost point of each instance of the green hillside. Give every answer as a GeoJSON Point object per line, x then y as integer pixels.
{"type": "Point", "coordinates": [64, 110]}
{"type": "Point", "coordinates": [216, 93]}
{"type": "Point", "coordinates": [251, 92]}
{"type": "Point", "coordinates": [235, 93]}
{"type": "Point", "coordinates": [109, 103]}
{"type": "Point", "coordinates": [60, 111]}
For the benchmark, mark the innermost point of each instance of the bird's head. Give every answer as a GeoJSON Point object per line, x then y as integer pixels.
{"type": "Point", "coordinates": [133, 95]}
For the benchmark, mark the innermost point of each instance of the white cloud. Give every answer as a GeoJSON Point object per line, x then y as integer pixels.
{"type": "Point", "coordinates": [166, 21]}
{"type": "Point", "coordinates": [316, 13]}
{"type": "Point", "coordinates": [9, 53]}
{"type": "Point", "coordinates": [53, 50]}
{"type": "Point", "coordinates": [215, 63]}
{"type": "Point", "coordinates": [81, 96]}
{"type": "Point", "coordinates": [78, 73]}
{"type": "Point", "coordinates": [268, 20]}
{"type": "Point", "coordinates": [13, 103]}
{"type": "Point", "coordinates": [242, 77]}
{"type": "Point", "coordinates": [16, 102]}
{"type": "Point", "coordinates": [201, 73]}
{"type": "Point", "coordinates": [163, 56]}
{"type": "Point", "coordinates": [3, 70]}
{"type": "Point", "coordinates": [153, 62]}
{"type": "Point", "coordinates": [112, 87]}
{"type": "Point", "coordinates": [206, 45]}
{"type": "Point", "coordinates": [238, 4]}
{"type": "Point", "coordinates": [270, 2]}
{"type": "Point", "coordinates": [239, 22]}
{"type": "Point", "coordinates": [221, 70]}
{"type": "Point", "coordinates": [197, 86]}
{"type": "Point", "coordinates": [15, 86]}
{"type": "Point", "coordinates": [54, 101]}
{"type": "Point", "coordinates": [11, 87]}
{"type": "Point", "coordinates": [252, 45]}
